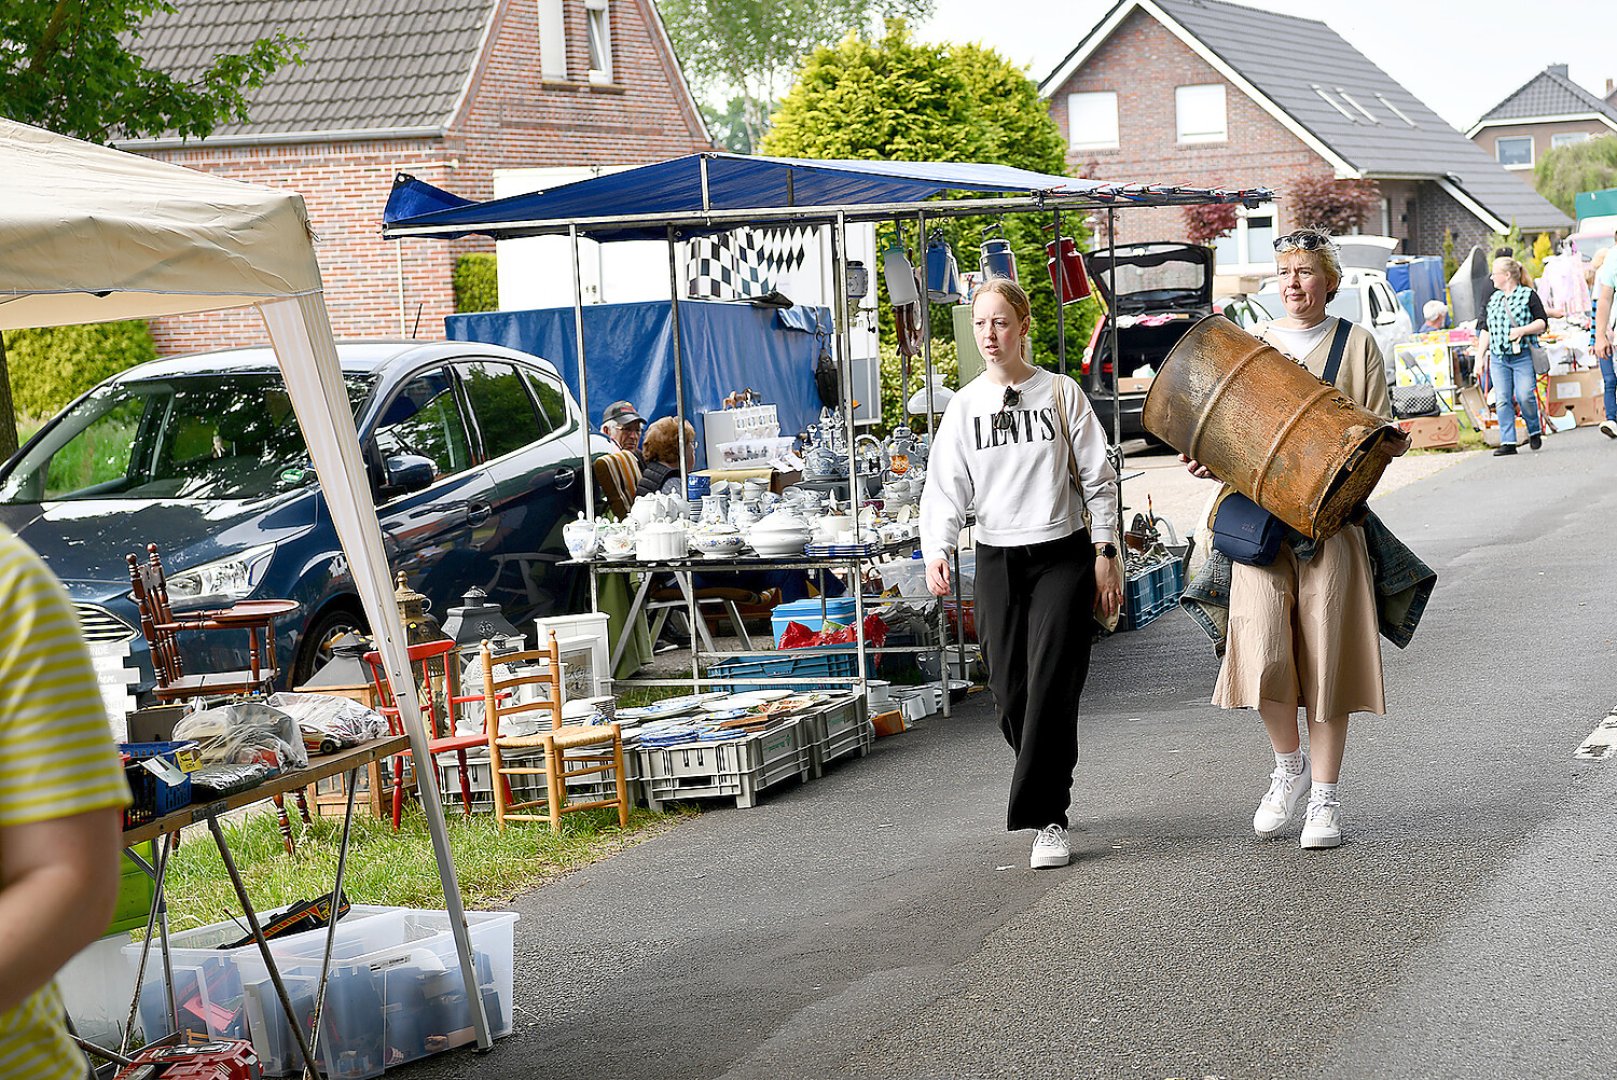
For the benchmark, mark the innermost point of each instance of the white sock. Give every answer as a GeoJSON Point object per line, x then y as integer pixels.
{"type": "Point", "coordinates": [1322, 792]}
{"type": "Point", "coordinates": [1292, 762]}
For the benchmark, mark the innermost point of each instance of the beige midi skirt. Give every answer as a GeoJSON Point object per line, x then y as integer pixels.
{"type": "Point", "coordinates": [1305, 633]}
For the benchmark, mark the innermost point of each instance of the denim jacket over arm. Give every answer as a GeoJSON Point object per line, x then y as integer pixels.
{"type": "Point", "coordinates": [1402, 582]}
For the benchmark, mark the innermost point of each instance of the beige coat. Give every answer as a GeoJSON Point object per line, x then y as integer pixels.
{"type": "Point", "coordinates": [1363, 376]}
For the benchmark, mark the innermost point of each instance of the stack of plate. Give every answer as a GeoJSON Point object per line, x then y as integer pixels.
{"type": "Point", "coordinates": [843, 551]}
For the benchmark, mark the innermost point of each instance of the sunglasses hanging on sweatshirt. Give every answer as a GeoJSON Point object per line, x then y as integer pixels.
{"type": "Point", "coordinates": [1003, 419]}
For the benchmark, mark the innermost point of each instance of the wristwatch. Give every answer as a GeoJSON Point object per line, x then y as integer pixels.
{"type": "Point", "coordinates": [1106, 551]}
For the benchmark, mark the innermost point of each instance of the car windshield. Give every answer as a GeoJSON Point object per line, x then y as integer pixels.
{"type": "Point", "coordinates": [215, 436]}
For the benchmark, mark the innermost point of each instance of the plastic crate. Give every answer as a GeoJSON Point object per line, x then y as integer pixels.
{"type": "Point", "coordinates": [524, 786]}
{"type": "Point", "coordinates": [837, 730]}
{"type": "Point", "coordinates": [808, 613]}
{"type": "Point", "coordinates": [1153, 591]}
{"type": "Point", "coordinates": [208, 978]}
{"type": "Point", "coordinates": [738, 769]}
{"type": "Point", "coordinates": [396, 993]}
{"type": "Point", "coordinates": [136, 890]}
{"type": "Point", "coordinates": [808, 668]}
{"type": "Point", "coordinates": [152, 798]}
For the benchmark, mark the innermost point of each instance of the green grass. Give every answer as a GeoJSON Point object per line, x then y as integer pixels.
{"type": "Point", "coordinates": [385, 867]}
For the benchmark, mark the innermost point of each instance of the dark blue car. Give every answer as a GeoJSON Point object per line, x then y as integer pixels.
{"type": "Point", "coordinates": [475, 460]}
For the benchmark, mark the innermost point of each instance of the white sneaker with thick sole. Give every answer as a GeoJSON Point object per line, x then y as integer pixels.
{"type": "Point", "coordinates": [1050, 848]}
{"type": "Point", "coordinates": [1322, 828]}
{"type": "Point", "coordinates": [1279, 804]}
{"type": "Point", "coordinates": [1608, 428]}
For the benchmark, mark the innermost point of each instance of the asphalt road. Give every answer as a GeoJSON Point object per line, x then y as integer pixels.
{"type": "Point", "coordinates": [879, 922]}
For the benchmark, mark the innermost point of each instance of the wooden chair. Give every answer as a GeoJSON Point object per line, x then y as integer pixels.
{"type": "Point", "coordinates": [569, 751]}
{"type": "Point", "coordinates": [161, 628]}
{"type": "Point", "coordinates": [442, 738]}
{"type": "Point", "coordinates": [616, 475]}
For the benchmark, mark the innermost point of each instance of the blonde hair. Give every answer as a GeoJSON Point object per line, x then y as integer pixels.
{"type": "Point", "coordinates": [1509, 266]}
{"type": "Point", "coordinates": [1325, 251]}
{"type": "Point", "coordinates": [1017, 297]}
{"type": "Point", "coordinates": [662, 440]}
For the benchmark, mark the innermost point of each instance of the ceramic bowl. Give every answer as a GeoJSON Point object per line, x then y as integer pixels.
{"type": "Point", "coordinates": [717, 545]}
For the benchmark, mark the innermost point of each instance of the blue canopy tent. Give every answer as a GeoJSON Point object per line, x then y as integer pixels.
{"type": "Point", "coordinates": [715, 192]}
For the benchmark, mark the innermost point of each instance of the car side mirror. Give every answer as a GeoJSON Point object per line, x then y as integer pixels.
{"type": "Point", "coordinates": [1386, 318]}
{"type": "Point", "coordinates": [409, 472]}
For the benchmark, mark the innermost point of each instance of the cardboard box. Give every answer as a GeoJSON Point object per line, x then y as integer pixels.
{"type": "Point", "coordinates": [1588, 413]}
{"type": "Point", "coordinates": [1577, 388]}
{"type": "Point", "coordinates": [1133, 386]}
{"type": "Point", "coordinates": [1432, 432]}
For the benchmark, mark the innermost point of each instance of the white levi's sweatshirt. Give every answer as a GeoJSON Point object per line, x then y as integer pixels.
{"type": "Point", "coordinates": [1017, 479]}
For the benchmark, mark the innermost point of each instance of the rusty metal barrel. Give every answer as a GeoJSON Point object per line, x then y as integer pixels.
{"type": "Point", "coordinates": [1296, 446]}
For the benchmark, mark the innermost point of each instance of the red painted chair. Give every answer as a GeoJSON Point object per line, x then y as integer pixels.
{"type": "Point", "coordinates": [431, 661]}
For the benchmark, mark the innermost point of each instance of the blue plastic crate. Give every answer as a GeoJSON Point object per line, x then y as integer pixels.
{"type": "Point", "coordinates": [153, 798]}
{"type": "Point", "coordinates": [808, 612]}
{"type": "Point", "coordinates": [807, 667]}
{"type": "Point", "coordinates": [1153, 591]}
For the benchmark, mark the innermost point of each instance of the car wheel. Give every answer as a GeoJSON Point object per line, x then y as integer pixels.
{"type": "Point", "coordinates": [315, 652]}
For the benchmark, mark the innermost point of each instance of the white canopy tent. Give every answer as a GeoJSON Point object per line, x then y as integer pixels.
{"type": "Point", "coordinates": [90, 234]}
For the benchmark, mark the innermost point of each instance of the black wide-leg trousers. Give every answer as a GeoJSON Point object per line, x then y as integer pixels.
{"type": "Point", "coordinates": [1033, 615]}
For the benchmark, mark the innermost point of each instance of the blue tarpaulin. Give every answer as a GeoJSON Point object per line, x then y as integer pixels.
{"type": "Point", "coordinates": [630, 353]}
{"type": "Point", "coordinates": [1416, 280]}
{"type": "Point", "coordinates": [699, 183]}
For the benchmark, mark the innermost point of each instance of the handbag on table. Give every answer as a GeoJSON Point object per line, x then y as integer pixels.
{"type": "Point", "coordinates": [1417, 400]}
{"type": "Point", "coordinates": [1245, 532]}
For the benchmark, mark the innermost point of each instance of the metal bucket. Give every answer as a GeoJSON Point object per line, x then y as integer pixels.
{"type": "Point", "coordinates": [1291, 443]}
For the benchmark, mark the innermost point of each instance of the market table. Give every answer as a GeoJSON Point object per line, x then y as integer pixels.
{"type": "Point", "coordinates": [348, 761]}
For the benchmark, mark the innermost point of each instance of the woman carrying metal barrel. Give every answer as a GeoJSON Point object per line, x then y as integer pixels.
{"type": "Point", "coordinates": [1303, 630]}
{"type": "Point", "coordinates": [1022, 446]}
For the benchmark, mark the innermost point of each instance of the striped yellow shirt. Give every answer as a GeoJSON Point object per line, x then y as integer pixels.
{"type": "Point", "coordinates": [56, 760]}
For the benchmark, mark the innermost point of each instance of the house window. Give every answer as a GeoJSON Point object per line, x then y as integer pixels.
{"type": "Point", "coordinates": [600, 27]}
{"type": "Point", "coordinates": [1092, 120]}
{"type": "Point", "coordinates": [552, 40]}
{"type": "Point", "coordinates": [1568, 138]}
{"type": "Point", "coordinates": [1200, 112]}
{"type": "Point", "coordinates": [1251, 245]}
{"type": "Point", "coordinates": [1515, 152]}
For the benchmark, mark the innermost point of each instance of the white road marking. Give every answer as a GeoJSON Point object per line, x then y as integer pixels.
{"type": "Point", "coordinates": [1601, 745]}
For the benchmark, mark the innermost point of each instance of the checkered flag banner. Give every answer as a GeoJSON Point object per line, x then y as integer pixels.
{"type": "Point", "coordinates": [743, 263]}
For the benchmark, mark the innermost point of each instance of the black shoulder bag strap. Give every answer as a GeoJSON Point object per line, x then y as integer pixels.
{"type": "Point", "coordinates": [1333, 364]}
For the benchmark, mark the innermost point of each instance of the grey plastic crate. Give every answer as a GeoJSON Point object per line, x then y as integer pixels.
{"type": "Point", "coordinates": [525, 786]}
{"type": "Point", "coordinates": [739, 769]}
{"type": "Point", "coordinates": [835, 731]}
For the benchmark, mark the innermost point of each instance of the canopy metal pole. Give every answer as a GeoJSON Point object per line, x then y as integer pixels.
{"type": "Point", "coordinates": [679, 413]}
{"type": "Point", "coordinates": [932, 429]}
{"type": "Point", "coordinates": [844, 347]}
{"type": "Point", "coordinates": [1061, 298]}
{"type": "Point", "coordinates": [583, 400]}
{"type": "Point", "coordinates": [1111, 272]}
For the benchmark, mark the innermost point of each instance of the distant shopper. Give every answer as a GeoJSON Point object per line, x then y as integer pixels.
{"type": "Point", "coordinates": [661, 451]}
{"type": "Point", "coordinates": [61, 790]}
{"type": "Point", "coordinates": [1303, 631]}
{"type": "Point", "coordinates": [1435, 314]}
{"type": "Point", "coordinates": [1008, 446]}
{"type": "Point", "coordinates": [1605, 285]}
{"type": "Point", "coordinates": [624, 426]}
{"type": "Point", "coordinates": [1513, 320]}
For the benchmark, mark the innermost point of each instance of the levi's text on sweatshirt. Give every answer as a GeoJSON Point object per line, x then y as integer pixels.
{"type": "Point", "coordinates": [1016, 478]}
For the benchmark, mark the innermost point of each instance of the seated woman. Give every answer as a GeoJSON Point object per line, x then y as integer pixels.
{"type": "Point", "coordinates": [660, 474]}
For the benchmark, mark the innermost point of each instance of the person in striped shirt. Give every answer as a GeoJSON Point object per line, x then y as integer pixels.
{"type": "Point", "coordinates": [61, 793]}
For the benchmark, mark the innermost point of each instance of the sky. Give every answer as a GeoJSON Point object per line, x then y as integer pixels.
{"type": "Point", "coordinates": [1461, 59]}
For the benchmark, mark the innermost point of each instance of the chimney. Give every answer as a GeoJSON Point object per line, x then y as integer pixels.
{"type": "Point", "coordinates": [1557, 69]}
{"type": "Point", "coordinates": [1611, 86]}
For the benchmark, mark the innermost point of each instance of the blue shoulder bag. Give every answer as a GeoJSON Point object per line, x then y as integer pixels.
{"type": "Point", "coordinates": [1244, 531]}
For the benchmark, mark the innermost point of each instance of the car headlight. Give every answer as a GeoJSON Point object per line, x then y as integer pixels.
{"type": "Point", "coordinates": [225, 580]}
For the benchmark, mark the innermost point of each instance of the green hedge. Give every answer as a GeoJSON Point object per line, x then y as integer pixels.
{"type": "Point", "coordinates": [477, 283]}
{"type": "Point", "coordinates": [50, 367]}
{"type": "Point", "coordinates": [944, 363]}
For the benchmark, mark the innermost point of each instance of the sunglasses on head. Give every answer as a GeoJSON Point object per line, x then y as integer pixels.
{"type": "Point", "coordinates": [1003, 419]}
{"type": "Point", "coordinates": [1305, 241]}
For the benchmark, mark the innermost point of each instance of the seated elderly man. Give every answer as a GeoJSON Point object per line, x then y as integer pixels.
{"type": "Point", "coordinates": [623, 425]}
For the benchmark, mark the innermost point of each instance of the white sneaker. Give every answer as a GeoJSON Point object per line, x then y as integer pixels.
{"type": "Point", "coordinates": [1279, 805]}
{"type": "Point", "coordinates": [1322, 828]}
{"type": "Point", "coordinates": [1050, 848]}
{"type": "Point", "coordinates": [1608, 428]}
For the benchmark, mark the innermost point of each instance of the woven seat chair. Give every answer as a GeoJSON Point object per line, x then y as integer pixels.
{"type": "Point", "coordinates": [568, 751]}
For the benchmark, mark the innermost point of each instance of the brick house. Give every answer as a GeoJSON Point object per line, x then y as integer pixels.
{"type": "Point", "coordinates": [1547, 111]}
{"type": "Point", "coordinates": [450, 91]}
{"type": "Point", "coordinates": [1214, 94]}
